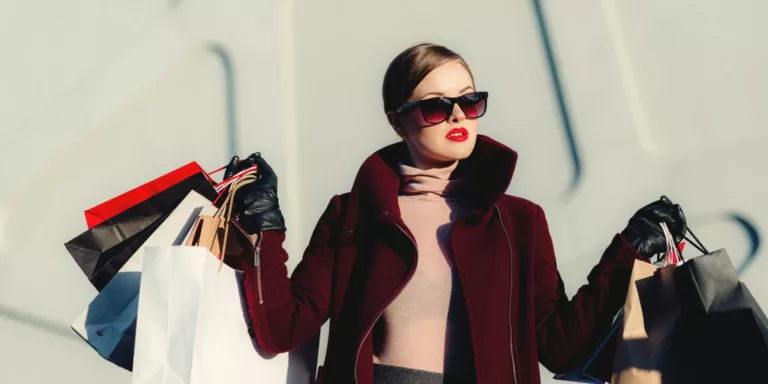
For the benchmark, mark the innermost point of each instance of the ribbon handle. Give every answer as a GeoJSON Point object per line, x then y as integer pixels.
{"type": "Point", "coordinates": [225, 212]}
{"type": "Point", "coordinates": [672, 256]}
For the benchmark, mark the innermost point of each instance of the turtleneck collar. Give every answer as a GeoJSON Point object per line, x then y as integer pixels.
{"type": "Point", "coordinates": [441, 182]}
{"type": "Point", "coordinates": [488, 169]}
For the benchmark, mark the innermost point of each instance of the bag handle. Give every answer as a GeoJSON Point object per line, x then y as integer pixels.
{"type": "Point", "coordinates": [697, 244]}
{"type": "Point", "coordinates": [225, 212]}
{"type": "Point", "coordinates": [672, 255]}
{"type": "Point", "coordinates": [226, 182]}
{"type": "Point", "coordinates": [252, 170]}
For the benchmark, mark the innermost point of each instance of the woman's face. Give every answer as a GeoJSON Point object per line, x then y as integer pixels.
{"type": "Point", "coordinates": [439, 145]}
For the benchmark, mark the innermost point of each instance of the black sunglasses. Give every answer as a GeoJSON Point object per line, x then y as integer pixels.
{"type": "Point", "coordinates": [438, 109]}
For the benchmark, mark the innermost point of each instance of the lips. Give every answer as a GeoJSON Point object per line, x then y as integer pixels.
{"type": "Point", "coordinates": [457, 135]}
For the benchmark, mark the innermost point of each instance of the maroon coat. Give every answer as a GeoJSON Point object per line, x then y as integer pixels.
{"type": "Point", "coordinates": [361, 255]}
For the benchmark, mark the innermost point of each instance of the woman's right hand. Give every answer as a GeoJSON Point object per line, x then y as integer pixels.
{"type": "Point", "coordinates": [256, 205]}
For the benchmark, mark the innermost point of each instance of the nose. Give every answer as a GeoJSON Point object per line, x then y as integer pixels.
{"type": "Point", "coordinates": [457, 114]}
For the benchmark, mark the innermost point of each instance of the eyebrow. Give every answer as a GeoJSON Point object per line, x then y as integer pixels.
{"type": "Point", "coordinates": [468, 88]}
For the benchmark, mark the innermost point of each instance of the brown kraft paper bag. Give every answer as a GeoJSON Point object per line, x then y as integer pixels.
{"type": "Point", "coordinates": [218, 233]}
{"type": "Point", "coordinates": [650, 315]}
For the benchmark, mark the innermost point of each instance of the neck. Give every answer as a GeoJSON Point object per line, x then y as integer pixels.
{"type": "Point", "coordinates": [431, 181]}
{"type": "Point", "coordinates": [424, 164]}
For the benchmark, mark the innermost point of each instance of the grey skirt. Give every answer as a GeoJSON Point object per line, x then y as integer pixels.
{"type": "Point", "coordinates": [389, 374]}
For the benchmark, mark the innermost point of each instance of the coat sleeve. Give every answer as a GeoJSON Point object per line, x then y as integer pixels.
{"type": "Point", "coordinates": [286, 312]}
{"type": "Point", "coordinates": [565, 327]}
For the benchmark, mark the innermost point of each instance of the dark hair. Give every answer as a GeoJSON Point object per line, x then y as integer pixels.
{"type": "Point", "coordinates": [410, 67]}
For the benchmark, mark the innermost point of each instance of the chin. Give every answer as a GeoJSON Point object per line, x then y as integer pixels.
{"type": "Point", "coordinates": [464, 155]}
{"type": "Point", "coordinates": [458, 153]}
{"type": "Point", "coordinates": [463, 150]}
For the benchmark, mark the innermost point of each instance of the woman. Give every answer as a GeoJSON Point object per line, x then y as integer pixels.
{"type": "Point", "coordinates": [428, 271]}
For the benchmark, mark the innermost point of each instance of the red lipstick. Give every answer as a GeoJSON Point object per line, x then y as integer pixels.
{"type": "Point", "coordinates": [457, 135]}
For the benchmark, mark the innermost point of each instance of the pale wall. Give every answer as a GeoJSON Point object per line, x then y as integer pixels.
{"type": "Point", "coordinates": [97, 97]}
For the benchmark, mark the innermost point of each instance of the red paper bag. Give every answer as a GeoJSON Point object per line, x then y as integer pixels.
{"type": "Point", "coordinates": [119, 204]}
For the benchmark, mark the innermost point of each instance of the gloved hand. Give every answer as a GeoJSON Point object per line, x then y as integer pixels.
{"type": "Point", "coordinates": [255, 204]}
{"type": "Point", "coordinates": [644, 231]}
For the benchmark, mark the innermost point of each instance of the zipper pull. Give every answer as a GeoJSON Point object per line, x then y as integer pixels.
{"type": "Point", "coordinates": [256, 262]}
{"type": "Point", "coordinates": [257, 255]}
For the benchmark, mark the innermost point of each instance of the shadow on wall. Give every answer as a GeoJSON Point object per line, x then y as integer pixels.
{"type": "Point", "coordinates": [753, 237]}
{"type": "Point", "coordinates": [562, 106]}
{"type": "Point", "coordinates": [230, 103]}
{"type": "Point", "coordinates": [38, 322]}
{"type": "Point", "coordinates": [749, 227]}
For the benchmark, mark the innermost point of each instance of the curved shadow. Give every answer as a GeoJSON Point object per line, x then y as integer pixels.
{"type": "Point", "coordinates": [754, 240]}
{"type": "Point", "coordinates": [229, 83]}
{"type": "Point", "coordinates": [560, 96]}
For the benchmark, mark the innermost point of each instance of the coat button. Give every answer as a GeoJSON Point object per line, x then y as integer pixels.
{"type": "Point", "coordinates": [350, 230]}
{"type": "Point", "coordinates": [385, 212]}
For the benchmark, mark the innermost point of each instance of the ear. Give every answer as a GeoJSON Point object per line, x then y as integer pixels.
{"type": "Point", "coordinates": [394, 121]}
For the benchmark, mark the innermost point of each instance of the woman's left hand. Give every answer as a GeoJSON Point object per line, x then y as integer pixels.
{"type": "Point", "coordinates": [644, 230]}
{"type": "Point", "coordinates": [256, 204]}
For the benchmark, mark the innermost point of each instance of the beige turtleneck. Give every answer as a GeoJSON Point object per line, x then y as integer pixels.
{"type": "Point", "coordinates": [426, 327]}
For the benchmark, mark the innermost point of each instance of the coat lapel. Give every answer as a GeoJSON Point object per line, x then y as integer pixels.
{"type": "Point", "coordinates": [483, 262]}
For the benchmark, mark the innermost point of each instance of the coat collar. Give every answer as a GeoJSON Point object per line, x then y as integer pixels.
{"type": "Point", "coordinates": [490, 168]}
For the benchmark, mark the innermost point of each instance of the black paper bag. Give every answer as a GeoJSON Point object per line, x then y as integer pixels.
{"type": "Point", "coordinates": [722, 333]}
{"type": "Point", "coordinates": [103, 250]}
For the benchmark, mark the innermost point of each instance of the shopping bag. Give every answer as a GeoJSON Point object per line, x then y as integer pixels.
{"type": "Point", "coordinates": [218, 233]}
{"type": "Point", "coordinates": [108, 324]}
{"type": "Point", "coordinates": [101, 251]}
{"type": "Point", "coordinates": [650, 317]}
{"type": "Point", "coordinates": [192, 326]}
{"type": "Point", "coordinates": [722, 333]}
{"type": "Point", "coordinates": [193, 321]}
{"type": "Point", "coordinates": [112, 207]}
{"type": "Point", "coordinates": [597, 367]}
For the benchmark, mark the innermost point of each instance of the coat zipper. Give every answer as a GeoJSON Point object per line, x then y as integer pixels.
{"type": "Point", "coordinates": [397, 293]}
{"type": "Point", "coordinates": [256, 262]}
{"type": "Point", "coordinates": [511, 339]}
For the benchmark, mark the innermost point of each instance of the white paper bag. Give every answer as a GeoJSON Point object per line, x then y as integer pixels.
{"type": "Point", "coordinates": [193, 324]}
{"type": "Point", "coordinates": [109, 322]}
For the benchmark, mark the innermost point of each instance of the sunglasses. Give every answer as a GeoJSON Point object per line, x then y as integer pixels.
{"type": "Point", "coordinates": [438, 109]}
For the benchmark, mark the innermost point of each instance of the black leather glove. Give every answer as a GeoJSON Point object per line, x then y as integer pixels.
{"type": "Point", "coordinates": [255, 205]}
{"type": "Point", "coordinates": [644, 231]}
